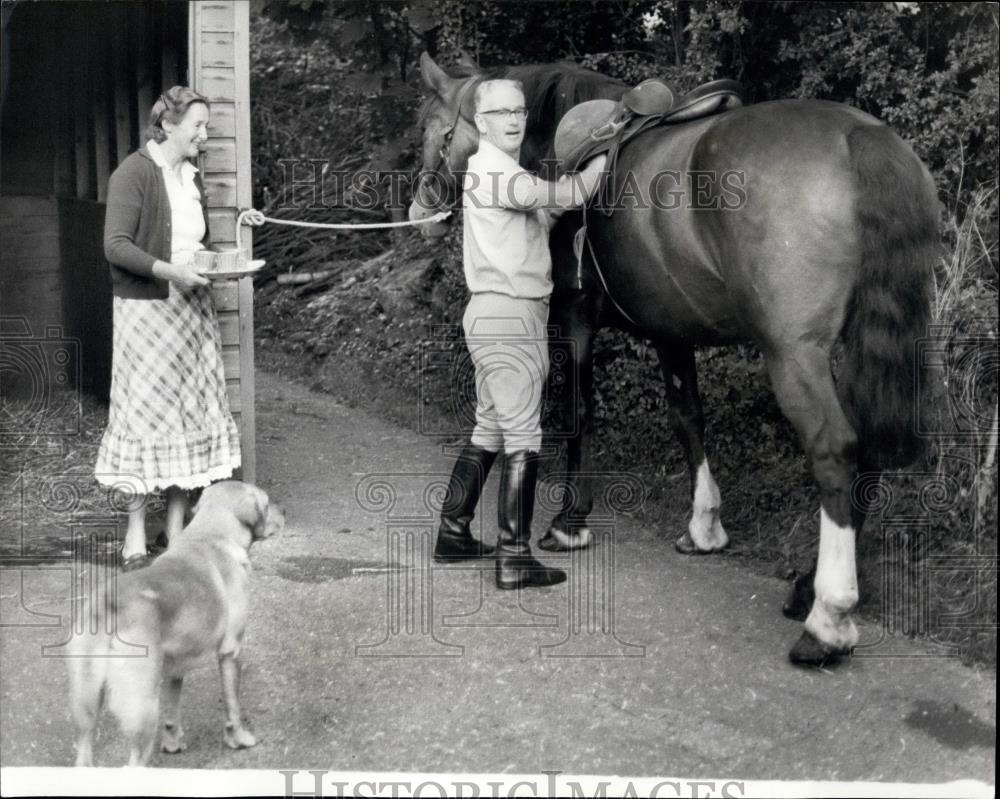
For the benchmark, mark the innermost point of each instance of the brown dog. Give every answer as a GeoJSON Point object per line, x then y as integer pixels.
{"type": "Point", "coordinates": [156, 622]}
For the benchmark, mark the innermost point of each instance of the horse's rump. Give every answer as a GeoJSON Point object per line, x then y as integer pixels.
{"type": "Point", "coordinates": [781, 223]}
{"type": "Point", "coordinates": [741, 226]}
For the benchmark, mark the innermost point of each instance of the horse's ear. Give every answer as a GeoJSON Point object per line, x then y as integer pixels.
{"type": "Point", "coordinates": [435, 77]}
{"type": "Point", "coordinates": [467, 61]}
{"type": "Point", "coordinates": [468, 109]}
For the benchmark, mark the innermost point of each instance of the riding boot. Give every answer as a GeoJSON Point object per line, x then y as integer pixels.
{"type": "Point", "coordinates": [454, 540]}
{"type": "Point", "coordinates": [516, 568]}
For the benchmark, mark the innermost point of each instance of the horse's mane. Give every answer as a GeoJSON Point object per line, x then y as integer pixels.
{"type": "Point", "coordinates": [550, 90]}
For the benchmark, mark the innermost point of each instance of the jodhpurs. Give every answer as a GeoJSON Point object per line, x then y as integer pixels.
{"type": "Point", "coordinates": [507, 340]}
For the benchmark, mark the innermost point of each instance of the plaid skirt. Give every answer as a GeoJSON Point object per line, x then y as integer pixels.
{"type": "Point", "coordinates": [169, 422]}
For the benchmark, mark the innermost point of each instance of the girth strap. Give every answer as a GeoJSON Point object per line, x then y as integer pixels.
{"type": "Point", "coordinates": [581, 241]}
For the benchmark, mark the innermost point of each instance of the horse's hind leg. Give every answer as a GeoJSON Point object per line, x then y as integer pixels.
{"type": "Point", "coordinates": [705, 532]}
{"type": "Point", "coordinates": [804, 387]}
{"type": "Point", "coordinates": [802, 594]}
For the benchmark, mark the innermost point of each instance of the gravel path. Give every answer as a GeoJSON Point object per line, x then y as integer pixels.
{"type": "Point", "coordinates": [361, 656]}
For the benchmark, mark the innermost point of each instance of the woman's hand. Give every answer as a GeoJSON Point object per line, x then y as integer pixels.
{"type": "Point", "coordinates": [182, 274]}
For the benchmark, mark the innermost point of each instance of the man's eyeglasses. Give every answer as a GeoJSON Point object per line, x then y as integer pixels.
{"type": "Point", "coordinates": [507, 113]}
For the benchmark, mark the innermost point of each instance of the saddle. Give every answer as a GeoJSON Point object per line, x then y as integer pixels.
{"type": "Point", "coordinates": [604, 126]}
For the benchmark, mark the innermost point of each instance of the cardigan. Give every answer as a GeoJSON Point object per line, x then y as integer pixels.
{"type": "Point", "coordinates": [137, 227]}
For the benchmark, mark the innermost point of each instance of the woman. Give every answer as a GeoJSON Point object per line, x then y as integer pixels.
{"type": "Point", "coordinates": [169, 425]}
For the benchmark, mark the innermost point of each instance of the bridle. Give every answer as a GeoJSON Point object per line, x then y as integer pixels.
{"type": "Point", "coordinates": [423, 186]}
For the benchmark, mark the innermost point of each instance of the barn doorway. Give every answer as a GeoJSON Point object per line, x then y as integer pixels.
{"type": "Point", "coordinates": [78, 80]}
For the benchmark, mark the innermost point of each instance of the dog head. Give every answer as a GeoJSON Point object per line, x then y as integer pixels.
{"type": "Point", "coordinates": [249, 504]}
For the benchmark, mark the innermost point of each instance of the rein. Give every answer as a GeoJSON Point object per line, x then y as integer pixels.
{"type": "Point", "coordinates": [444, 153]}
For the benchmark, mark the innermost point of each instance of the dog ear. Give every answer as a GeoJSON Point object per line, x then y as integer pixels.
{"type": "Point", "coordinates": [272, 517]}
{"type": "Point", "coordinates": [275, 522]}
{"type": "Point", "coordinates": [260, 502]}
{"type": "Point", "coordinates": [261, 526]}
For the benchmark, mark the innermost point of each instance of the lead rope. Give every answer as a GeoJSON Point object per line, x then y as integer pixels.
{"type": "Point", "coordinates": [258, 218]}
{"type": "Point", "coordinates": [579, 239]}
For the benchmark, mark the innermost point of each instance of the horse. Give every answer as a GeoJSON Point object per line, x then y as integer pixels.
{"type": "Point", "coordinates": [817, 225]}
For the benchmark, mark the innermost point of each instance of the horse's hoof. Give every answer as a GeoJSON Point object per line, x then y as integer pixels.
{"type": "Point", "coordinates": [800, 598]}
{"type": "Point", "coordinates": [556, 540]}
{"type": "Point", "coordinates": [686, 546]}
{"type": "Point", "coordinates": [810, 651]}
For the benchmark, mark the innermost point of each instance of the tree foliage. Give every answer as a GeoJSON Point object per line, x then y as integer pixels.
{"type": "Point", "coordinates": [929, 70]}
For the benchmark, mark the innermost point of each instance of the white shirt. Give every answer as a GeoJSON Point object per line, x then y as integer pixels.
{"type": "Point", "coordinates": [187, 222]}
{"type": "Point", "coordinates": [504, 249]}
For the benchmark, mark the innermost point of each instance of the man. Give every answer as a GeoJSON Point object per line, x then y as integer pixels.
{"type": "Point", "coordinates": [508, 269]}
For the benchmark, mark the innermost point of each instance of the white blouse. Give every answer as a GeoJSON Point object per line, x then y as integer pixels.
{"type": "Point", "coordinates": [187, 223]}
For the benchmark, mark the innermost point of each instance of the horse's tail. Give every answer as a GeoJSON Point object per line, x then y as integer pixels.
{"type": "Point", "coordinates": [897, 211]}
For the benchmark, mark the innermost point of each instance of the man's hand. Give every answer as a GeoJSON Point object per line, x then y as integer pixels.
{"type": "Point", "coordinates": [589, 176]}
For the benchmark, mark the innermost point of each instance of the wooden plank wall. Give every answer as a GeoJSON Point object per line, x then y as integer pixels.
{"type": "Point", "coordinates": [219, 54]}
{"type": "Point", "coordinates": [86, 290]}
{"type": "Point", "coordinates": [30, 284]}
